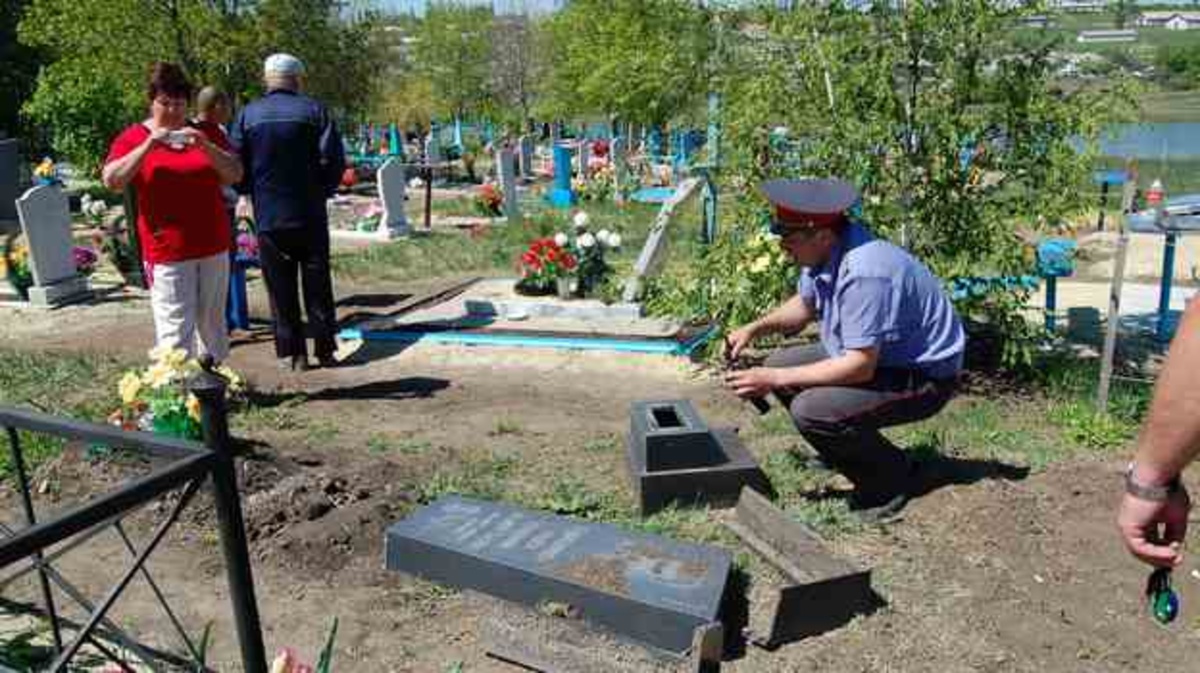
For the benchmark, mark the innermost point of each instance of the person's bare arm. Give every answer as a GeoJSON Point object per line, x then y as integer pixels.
{"type": "Point", "coordinates": [1170, 439]}
{"type": "Point", "coordinates": [117, 173]}
{"type": "Point", "coordinates": [789, 317]}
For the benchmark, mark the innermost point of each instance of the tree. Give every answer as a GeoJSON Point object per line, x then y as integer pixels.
{"type": "Point", "coordinates": [1122, 10]}
{"type": "Point", "coordinates": [99, 52]}
{"type": "Point", "coordinates": [18, 77]}
{"type": "Point", "coordinates": [515, 66]}
{"type": "Point", "coordinates": [949, 121]}
{"type": "Point", "coordinates": [644, 62]}
{"type": "Point", "coordinates": [452, 52]}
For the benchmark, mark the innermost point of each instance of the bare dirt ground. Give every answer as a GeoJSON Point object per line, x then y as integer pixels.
{"type": "Point", "coordinates": [997, 574]}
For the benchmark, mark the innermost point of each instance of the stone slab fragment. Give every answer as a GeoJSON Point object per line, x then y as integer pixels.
{"type": "Point", "coordinates": [823, 591]}
{"type": "Point", "coordinates": [550, 642]}
{"type": "Point", "coordinates": [651, 589]}
{"type": "Point", "coordinates": [391, 179]}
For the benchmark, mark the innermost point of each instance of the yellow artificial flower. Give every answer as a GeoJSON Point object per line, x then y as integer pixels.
{"type": "Point", "coordinates": [129, 387]}
{"type": "Point", "coordinates": [761, 264]}
{"type": "Point", "coordinates": [175, 358]}
{"type": "Point", "coordinates": [158, 375]}
{"type": "Point", "coordinates": [193, 407]}
{"type": "Point", "coordinates": [236, 383]}
{"type": "Point", "coordinates": [159, 352]}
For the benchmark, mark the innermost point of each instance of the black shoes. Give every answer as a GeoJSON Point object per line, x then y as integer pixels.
{"type": "Point", "coordinates": [327, 361]}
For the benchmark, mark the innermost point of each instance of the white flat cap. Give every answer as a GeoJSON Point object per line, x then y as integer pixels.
{"type": "Point", "coordinates": [283, 64]}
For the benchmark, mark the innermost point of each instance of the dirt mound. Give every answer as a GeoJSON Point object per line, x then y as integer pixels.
{"type": "Point", "coordinates": [302, 514]}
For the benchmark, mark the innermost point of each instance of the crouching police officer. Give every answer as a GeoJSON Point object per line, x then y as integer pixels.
{"type": "Point", "coordinates": [891, 344]}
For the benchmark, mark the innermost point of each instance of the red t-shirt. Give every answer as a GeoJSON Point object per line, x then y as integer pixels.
{"type": "Point", "coordinates": [180, 211]}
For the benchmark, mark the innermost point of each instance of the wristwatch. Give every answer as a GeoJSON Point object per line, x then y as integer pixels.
{"type": "Point", "coordinates": [1151, 493]}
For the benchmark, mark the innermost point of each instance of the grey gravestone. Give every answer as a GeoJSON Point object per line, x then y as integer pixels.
{"type": "Point", "coordinates": [648, 588]}
{"type": "Point", "coordinates": [433, 149]}
{"type": "Point", "coordinates": [821, 591]}
{"type": "Point", "coordinates": [650, 259]}
{"type": "Point", "coordinates": [674, 457]}
{"type": "Point", "coordinates": [46, 220]}
{"type": "Point", "coordinates": [10, 175]}
{"type": "Point", "coordinates": [390, 179]}
{"type": "Point", "coordinates": [525, 157]}
{"type": "Point", "coordinates": [506, 168]}
{"type": "Point", "coordinates": [617, 156]}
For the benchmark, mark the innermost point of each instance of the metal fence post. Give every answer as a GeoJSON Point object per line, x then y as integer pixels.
{"type": "Point", "coordinates": [209, 388]}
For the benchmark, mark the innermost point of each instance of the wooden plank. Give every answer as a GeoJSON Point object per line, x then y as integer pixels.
{"type": "Point", "coordinates": [1114, 295]}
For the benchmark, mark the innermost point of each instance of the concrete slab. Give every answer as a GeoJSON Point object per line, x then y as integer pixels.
{"type": "Point", "coordinates": [499, 298]}
{"type": "Point", "coordinates": [648, 588]}
{"type": "Point", "coordinates": [821, 592]}
{"type": "Point", "coordinates": [675, 458]}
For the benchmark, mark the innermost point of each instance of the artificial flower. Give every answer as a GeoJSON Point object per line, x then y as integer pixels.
{"type": "Point", "coordinates": [158, 375]}
{"type": "Point", "coordinates": [761, 264]}
{"type": "Point", "coordinates": [580, 220]}
{"type": "Point", "coordinates": [129, 387]}
{"type": "Point", "coordinates": [614, 240]}
{"type": "Point", "coordinates": [586, 241]}
{"type": "Point", "coordinates": [193, 407]}
{"type": "Point", "coordinates": [560, 239]}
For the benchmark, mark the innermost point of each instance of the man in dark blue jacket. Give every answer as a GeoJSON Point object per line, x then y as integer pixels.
{"type": "Point", "coordinates": [293, 159]}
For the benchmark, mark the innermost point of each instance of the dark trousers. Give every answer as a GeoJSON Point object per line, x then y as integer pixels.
{"type": "Point", "coordinates": [842, 422]}
{"type": "Point", "coordinates": [288, 256]}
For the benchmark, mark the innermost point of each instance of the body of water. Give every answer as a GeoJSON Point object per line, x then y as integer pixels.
{"type": "Point", "coordinates": [1165, 141]}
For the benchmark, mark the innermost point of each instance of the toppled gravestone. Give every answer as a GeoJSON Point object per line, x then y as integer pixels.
{"type": "Point", "coordinates": [820, 591]}
{"type": "Point", "coordinates": [674, 457]}
{"type": "Point", "coordinates": [650, 589]}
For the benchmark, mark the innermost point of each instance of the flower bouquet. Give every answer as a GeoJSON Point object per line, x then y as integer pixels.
{"type": "Point", "coordinates": [112, 239]}
{"type": "Point", "coordinates": [488, 200]}
{"type": "Point", "coordinates": [85, 260]}
{"type": "Point", "coordinates": [543, 266]}
{"type": "Point", "coordinates": [245, 244]}
{"type": "Point", "coordinates": [368, 217]}
{"type": "Point", "coordinates": [15, 266]}
{"type": "Point", "coordinates": [45, 173]}
{"type": "Point", "coordinates": [589, 250]}
{"type": "Point", "coordinates": [156, 399]}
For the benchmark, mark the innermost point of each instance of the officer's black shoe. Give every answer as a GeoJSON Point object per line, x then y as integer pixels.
{"type": "Point", "coordinates": [327, 361]}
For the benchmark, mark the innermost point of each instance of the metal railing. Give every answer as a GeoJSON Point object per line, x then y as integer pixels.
{"type": "Point", "coordinates": [191, 464]}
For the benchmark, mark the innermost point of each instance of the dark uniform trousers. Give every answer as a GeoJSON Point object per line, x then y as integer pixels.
{"type": "Point", "coordinates": [842, 422]}
{"type": "Point", "coordinates": [288, 256]}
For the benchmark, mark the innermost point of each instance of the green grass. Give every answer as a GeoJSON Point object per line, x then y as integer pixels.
{"type": "Point", "coordinates": [493, 251]}
{"type": "Point", "coordinates": [1170, 106]}
{"type": "Point", "coordinates": [77, 386]}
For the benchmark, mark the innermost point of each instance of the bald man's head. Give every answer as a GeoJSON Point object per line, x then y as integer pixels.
{"type": "Point", "coordinates": [213, 105]}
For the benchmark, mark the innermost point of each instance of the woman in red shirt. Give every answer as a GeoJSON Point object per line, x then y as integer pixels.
{"type": "Point", "coordinates": [178, 172]}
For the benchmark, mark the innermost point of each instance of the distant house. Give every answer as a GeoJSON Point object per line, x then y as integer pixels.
{"type": "Point", "coordinates": [1170, 20]}
{"type": "Point", "coordinates": [1128, 35]}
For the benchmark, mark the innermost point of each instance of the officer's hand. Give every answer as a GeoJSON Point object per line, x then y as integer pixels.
{"type": "Point", "coordinates": [1139, 521]}
{"type": "Point", "coordinates": [750, 383]}
{"type": "Point", "coordinates": [737, 340]}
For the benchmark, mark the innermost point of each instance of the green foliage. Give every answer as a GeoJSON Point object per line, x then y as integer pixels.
{"type": "Point", "coordinates": [19, 74]}
{"type": "Point", "coordinates": [644, 62]}
{"type": "Point", "coordinates": [948, 120]}
{"type": "Point", "coordinates": [452, 53]}
{"type": "Point", "coordinates": [101, 51]}
{"type": "Point", "coordinates": [1178, 66]}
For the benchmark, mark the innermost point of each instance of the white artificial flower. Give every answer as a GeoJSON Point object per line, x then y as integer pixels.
{"type": "Point", "coordinates": [96, 208]}
{"type": "Point", "coordinates": [587, 241]}
{"type": "Point", "coordinates": [84, 201]}
{"type": "Point", "coordinates": [602, 236]}
{"type": "Point", "coordinates": [560, 239]}
{"type": "Point", "coordinates": [614, 240]}
{"type": "Point", "coordinates": [416, 183]}
{"type": "Point", "coordinates": [581, 220]}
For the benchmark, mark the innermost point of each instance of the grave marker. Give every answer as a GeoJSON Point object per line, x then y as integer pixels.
{"type": "Point", "coordinates": [585, 158]}
{"type": "Point", "coordinates": [10, 162]}
{"type": "Point", "coordinates": [561, 195]}
{"type": "Point", "coordinates": [617, 151]}
{"type": "Point", "coordinates": [648, 588]}
{"type": "Point", "coordinates": [46, 220]}
{"type": "Point", "coordinates": [391, 181]}
{"type": "Point", "coordinates": [674, 457]}
{"type": "Point", "coordinates": [525, 165]}
{"type": "Point", "coordinates": [507, 169]}
{"type": "Point", "coordinates": [650, 259]}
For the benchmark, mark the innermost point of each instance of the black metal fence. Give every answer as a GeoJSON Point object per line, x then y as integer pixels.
{"type": "Point", "coordinates": [191, 464]}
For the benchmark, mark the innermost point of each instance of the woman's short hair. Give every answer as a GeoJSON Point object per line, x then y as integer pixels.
{"type": "Point", "coordinates": [169, 79]}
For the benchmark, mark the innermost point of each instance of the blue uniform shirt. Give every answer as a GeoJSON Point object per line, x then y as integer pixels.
{"type": "Point", "coordinates": [873, 293]}
{"type": "Point", "coordinates": [293, 159]}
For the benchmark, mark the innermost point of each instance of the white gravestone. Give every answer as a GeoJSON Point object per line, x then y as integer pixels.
{"type": "Point", "coordinates": [391, 181]}
{"type": "Point", "coordinates": [46, 220]}
{"type": "Point", "coordinates": [507, 169]}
